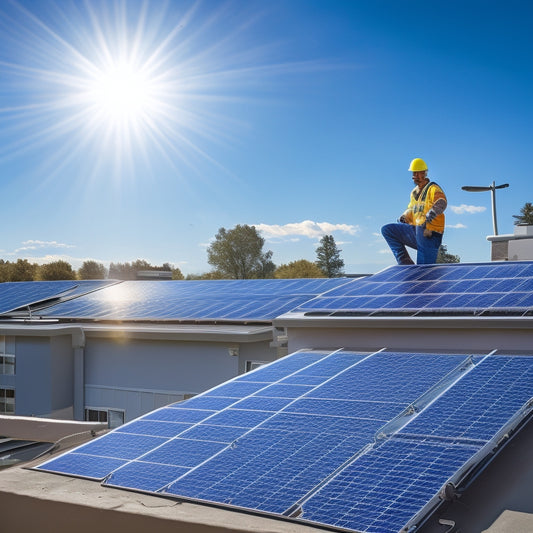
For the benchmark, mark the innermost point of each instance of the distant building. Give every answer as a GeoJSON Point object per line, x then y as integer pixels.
{"type": "Point", "coordinates": [516, 247]}
{"type": "Point", "coordinates": [154, 274]}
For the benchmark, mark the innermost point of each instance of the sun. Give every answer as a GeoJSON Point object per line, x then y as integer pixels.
{"type": "Point", "coordinates": [121, 93]}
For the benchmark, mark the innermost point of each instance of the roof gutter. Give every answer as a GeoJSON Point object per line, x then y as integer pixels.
{"type": "Point", "coordinates": [194, 332]}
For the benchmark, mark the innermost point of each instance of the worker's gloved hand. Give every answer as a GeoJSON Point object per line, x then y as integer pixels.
{"type": "Point", "coordinates": [430, 215]}
{"type": "Point", "coordinates": [402, 219]}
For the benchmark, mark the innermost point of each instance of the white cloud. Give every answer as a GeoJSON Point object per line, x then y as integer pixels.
{"type": "Point", "coordinates": [306, 228]}
{"type": "Point", "coordinates": [470, 209]}
{"type": "Point", "coordinates": [456, 226]}
{"type": "Point", "coordinates": [37, 245]}
{"type": "Point", "coordinates": [75, 262]}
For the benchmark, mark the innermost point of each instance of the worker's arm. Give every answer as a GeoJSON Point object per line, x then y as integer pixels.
{"type": "Point", "coordinates": [438, 207]}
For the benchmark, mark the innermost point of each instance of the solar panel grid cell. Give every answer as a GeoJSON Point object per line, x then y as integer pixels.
{"type": "Point", "coordinates": [204, 402]}
{"type": "Point", "coordinates": [349, 408]}
{"type": "Point", "coordinates": [262, 404]}
{"type": "Point", "coordinates": [149, 477]}
{"type": "Point", "coordinates": [154, 428]}
{"type": "Point", "coordinates": [214, 433]}
{"type": "Point", "coordinates": [183, 452]}
{"type": "Point", "coordinates": [171, 414]}
{"type": "Point", "coordinates": [87, 466]}
{"type": "Point", "coordinates": [239, 418]}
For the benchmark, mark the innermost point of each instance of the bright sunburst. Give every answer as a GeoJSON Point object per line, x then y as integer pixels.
{"type": "Point", "coordinates": [122, 93]}
{"type": "Point", "coordinates": [120, 81]}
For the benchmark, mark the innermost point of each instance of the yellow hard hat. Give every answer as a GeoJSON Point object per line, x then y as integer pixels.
{"type": "Point", "coordinates": [417, 164]}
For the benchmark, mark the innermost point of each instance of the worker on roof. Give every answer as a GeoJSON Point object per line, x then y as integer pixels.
{"type": "Point", "coordinates": [422, 224]}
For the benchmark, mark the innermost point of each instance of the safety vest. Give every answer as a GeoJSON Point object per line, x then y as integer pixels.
{"type": "Point", "coordinates": [418, 207]}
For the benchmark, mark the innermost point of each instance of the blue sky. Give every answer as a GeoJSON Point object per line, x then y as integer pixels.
{"type": "Point", "coordinates": [135, 130]}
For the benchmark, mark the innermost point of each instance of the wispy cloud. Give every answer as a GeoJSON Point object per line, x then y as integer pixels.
{"type": "Point", "coordinates": [470, 209]}
{"type": "Point", "coordinates": [306, 228]}
{"type": "Point", "coordinates": [39, 245]}
{"type": "Point", "coordinates": [456, 226]}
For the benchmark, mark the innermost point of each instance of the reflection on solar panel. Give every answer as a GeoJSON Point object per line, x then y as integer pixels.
{"type": "Point", "coordinates": [194, 300]}
{"type": "Point", "coordinates": [351, 440]}
{"type": "Point", "coordinates": [23, 294]}
{"type": "Point", "coordinates": [463, 288]}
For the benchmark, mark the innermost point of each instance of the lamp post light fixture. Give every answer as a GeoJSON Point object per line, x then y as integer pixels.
{"type": "Point", "coordinates": [492, 188]}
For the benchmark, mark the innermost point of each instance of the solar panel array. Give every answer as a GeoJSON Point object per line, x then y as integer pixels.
{"type": "Point", "coordinates": [350, 440]}
{"type": "Point", "coordinates": [462, 288]}
{"type": "Point", "coordinates": [252, 300]}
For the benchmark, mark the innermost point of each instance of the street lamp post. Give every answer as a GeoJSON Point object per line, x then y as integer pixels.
{"type": "Point", "coordinates": [492, 188]}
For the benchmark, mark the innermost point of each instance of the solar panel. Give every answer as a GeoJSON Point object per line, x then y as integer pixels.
{"type": "Point", "coordinates": [259, 300]}
{"type": "Point", "coordinates": [462, 288]}
{"type": "Point", "coordinates": [14, 295]}
{"type": "Point", "coordinates": [22, 295]}
{"type": "Point", "coordinates": [350, 440]}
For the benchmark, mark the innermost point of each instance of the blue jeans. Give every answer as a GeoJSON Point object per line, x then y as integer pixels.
{"type": "Point", "coordinates": [399, 235]}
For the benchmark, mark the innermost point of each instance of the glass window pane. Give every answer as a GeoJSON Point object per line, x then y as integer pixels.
{"type": "Point", "coordinates": [116, 418]}
{"type": "Point", "coordinates": [9, 365]}
{"type": "Point", "coordinates": [91, 415]}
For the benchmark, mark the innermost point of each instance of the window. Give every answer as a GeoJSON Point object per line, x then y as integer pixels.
{"type": "Point", "coordinates": [252, 365]}
{"type": "Point", "coordinates": [7, 401]}
{"type": "Point", "coordinates": [93, 415]}
{"type": "Point", "coordinates": [116, 418]}
{"type": "Point", "coordinates": [113, 417]}
{"type": "Point", "coordinates": [7, 361]}
{"type": "Point", "coordinates": [7, 364]}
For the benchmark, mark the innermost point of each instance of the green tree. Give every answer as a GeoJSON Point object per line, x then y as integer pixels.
{"type": "Point", "coordinates": [141, 264]}
{"type": "Point", "coordinates": [525, 216]}
{"type": "Point", "coordinates": [214, 274]}
{"type": "Point", "coordinates": [23, 270]}
{"type": "Point", "coordinates": [299, 269]}
{"type": "Point", "coordinates": [92, 270]}
{"type": "Point", "coordinates": [238, 254]}
{"type": "Point", "coordinates": [4, 271]}
{"type": "Point", "coordinates": [57, 270]}
{"type": "Point", "coordinates": [120, 271]}
{"type": "Point", "coordinates": [176, 273]}
{"type": "Point", "coordinates": [444, 257]}
{"type": "Point", "coordinates": [328, 257]}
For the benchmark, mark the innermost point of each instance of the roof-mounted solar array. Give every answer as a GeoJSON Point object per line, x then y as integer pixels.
{"type": "Point", "coordinates": [350, 440]}
{"type": "Point", "coordinates": [462, 288]}
{"type": "Point", "coordinates": [504, 288]}
{"type": "Point", "coordinates": [215, 300]}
